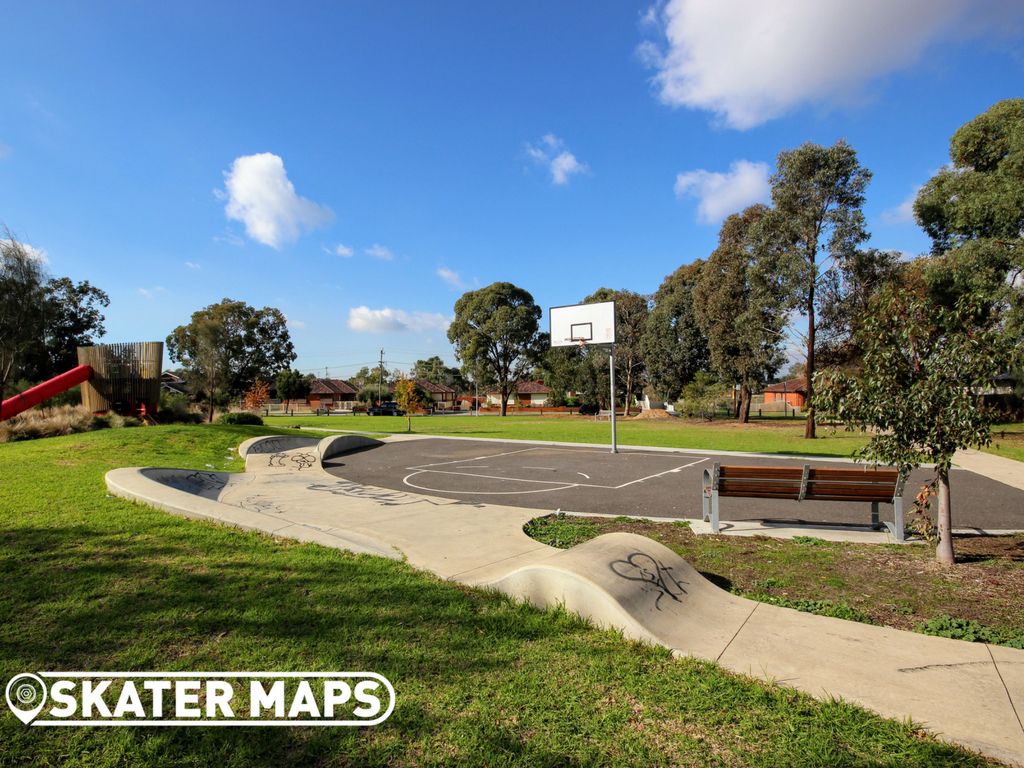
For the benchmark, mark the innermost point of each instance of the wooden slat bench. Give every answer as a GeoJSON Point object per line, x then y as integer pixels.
{"type": "Point", "coordinates": [807, 484]}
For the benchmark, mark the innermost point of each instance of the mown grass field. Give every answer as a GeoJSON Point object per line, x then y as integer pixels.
{"type": "Point", "coordinates": [93, 582]}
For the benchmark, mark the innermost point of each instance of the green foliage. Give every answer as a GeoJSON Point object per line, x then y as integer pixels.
{"type": "Point", "coordinates": [410, 397]}
{"type": "Point", "coordinates": [22, 299]}
{"type": "Point", "coordinates": [837, 610]}
{"type": "Point", "coordinates": [368, 394]}
{"type": "Point", "coordinates": [810, 541]}
{"type": "Point", "coordinates": [240, 418]}
{"type": "Point", "coordinates": [232, 344]}
{"type": "Point", "coordinates": [702, 396]}
{"type": "Point", "coordinates": [71, 318]}
{"type": "Point", "coordinates": [495, 333]}
{"type": "Point", "coordinates": [561, 530]}
{"type": "Point", "coordinates": [743, 328]}
{"type": "Point", "coordinates": [434, 370]}
{"type": "Point", "coordinates": [974, 214]}
{"type": "Point", "coordinates": [292, 385]}
{"type": "Point", "coordinates": [972, 631]}
{"type": "Point", "coordinates": [674, 345]}
{"type": "Point", "coordinates": [817, 196]}
{"type": "Point", "coordinates": [174, 409]}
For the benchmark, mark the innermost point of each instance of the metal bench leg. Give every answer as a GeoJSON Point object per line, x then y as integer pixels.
{"type": "Point", "coordinates": [874, 516]}
{"type": "Point", "coordinates": [897, 508]}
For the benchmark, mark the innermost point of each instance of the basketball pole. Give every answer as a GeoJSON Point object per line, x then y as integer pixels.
{"type": "Point", "coordinates": [611, 364]}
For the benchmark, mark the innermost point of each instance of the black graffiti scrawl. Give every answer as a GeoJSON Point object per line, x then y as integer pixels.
{"type": "Point", "coordinates": [654, 577]}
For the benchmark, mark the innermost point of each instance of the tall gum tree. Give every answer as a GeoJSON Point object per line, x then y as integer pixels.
{"type": "Point", "coordinates": [631, 312]}
{"type": "Point", "coordinates": [496, 335]}
{"type": "Point", "coordinates": [674, 345]}
{"type": "Point", "coordinates": [743, 330]}
{"type": "Point", "coordinates": [973, 211]}
{"type": "Point", "coordinates": [816, 217]}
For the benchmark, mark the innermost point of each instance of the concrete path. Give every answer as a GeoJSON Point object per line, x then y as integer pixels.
{"type": "Point", "coordinates": [998, 468]}
{"type": "Point", "coordinates": [970, 693]}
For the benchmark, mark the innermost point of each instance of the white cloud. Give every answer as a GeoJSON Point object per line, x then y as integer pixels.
{"type": "Point", "coordinates": [190, 265]}
{"type": "Point", "coordinates": [149, 293]}
{"type": "Point", "coordinates": [395, 320]}
{"type": "Point", "coordinates": [902, 213]}
{"type": "Point", "coordinates": [33, 253]}
{"type": "Point", "coordinates": [260, 195]}
{"type": "Point", "coordinates": [749, 61]}
{"type": "Point", "coordinates": [380, 252]}
{"type": "Point", "coordinates": [339, 250]}
{"type": "Point", "coordinates": [562, 164]}
{"type": "Point", "coordinates": [454, 279]}
{"type": "Point", "coordinates": [229, 237]}
{"type": "Point", "coordinates": [4, 149]}
{"type": "Point", "coordinates": [721, 194]}
{"type": "Point", "coordinates": [296, 324]}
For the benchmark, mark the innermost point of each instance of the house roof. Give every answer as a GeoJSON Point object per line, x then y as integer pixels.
{"type": "Point", "coordinates": [799, 384]}
{"type": "Point", "coordinates": [526, 388]}
{"type": "Point", "coordinates": [434, 389]}
{"type": "Point", "coordinates": [331, 387]}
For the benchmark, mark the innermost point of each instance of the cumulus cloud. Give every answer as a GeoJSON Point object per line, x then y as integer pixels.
{"type": "Point", "coordinates": [389, 320]}
{"type": "Point", "coordinates": [454, 279]}
{"type": "Point", "coordinates": [259, 194]}
{"type": "Point", "coordinates": [749, 61]}
{"type": "Point", "coordinates": [550, 152]}
{"type": "Point", "coordinates": [721, 194]}
{"type": "Point", "coordinates": [340, 250]}
{"type": "Point", "coordinates": [380, 252]}
{"type": "Point", "coordinates": [902, 213]}
{"type": "Point", "coordinates": [33, 253]}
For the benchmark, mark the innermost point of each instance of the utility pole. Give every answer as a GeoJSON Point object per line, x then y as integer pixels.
{"type": "Point", "coordinates": [380, 377]}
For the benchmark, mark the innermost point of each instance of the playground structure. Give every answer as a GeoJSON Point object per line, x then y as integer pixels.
{"type": "Point", "coordinates": [124, 378]}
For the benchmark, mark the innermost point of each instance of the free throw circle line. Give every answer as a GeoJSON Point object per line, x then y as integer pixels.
{"type": "Point", "coordinates": [560, 487]}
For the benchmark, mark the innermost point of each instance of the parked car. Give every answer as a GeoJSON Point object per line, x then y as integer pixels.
{"type": "Point", "coordinates": [385, 409]}
{"type": "Point", "coordinates": [590, 409]}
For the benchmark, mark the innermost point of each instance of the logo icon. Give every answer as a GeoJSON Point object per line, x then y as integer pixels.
{"type": "Point", "coordinates": [26, 696]}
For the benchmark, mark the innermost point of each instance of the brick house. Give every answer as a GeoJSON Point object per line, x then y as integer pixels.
{"type": "Point", "coordinates": [444, 397]}
{"type": "Point", "coordinates": [531, 394]}
{"type": "Point", "coordinates": [331, 393]}
{"type": "Point", "coordinates": [793, 392]}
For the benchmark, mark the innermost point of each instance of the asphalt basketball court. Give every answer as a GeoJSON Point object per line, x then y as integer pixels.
{"type": "Point", "coordinates": [654, 484]}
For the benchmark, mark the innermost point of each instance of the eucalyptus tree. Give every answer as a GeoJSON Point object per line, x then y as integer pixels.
{"type": "Point", "coordinates": [673, 344]}
{"type": "Point", "coordinates": [743, 329]}
{"type": "Point", "coordinates": [816, 217]}
{"type": "Point", "coordinates": [22, 298]}
{"type": "Point", "coordinates": [496, 335]}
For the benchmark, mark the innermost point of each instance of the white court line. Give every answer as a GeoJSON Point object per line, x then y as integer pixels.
{"type": "Point", "coordinates": [484, 493]}
{"type": "Point", "coordinates": [504, 479]}
{"type": "Point", "coordinates": [478, 458]}
{"type": "Point", "coordinates": [546, 469]}
{"type": "Point", "coordinates": [667, 471]}
{"type": "Point", "coordinates": [585, 475]}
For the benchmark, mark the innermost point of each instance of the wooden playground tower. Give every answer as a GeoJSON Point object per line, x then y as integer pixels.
{"type": "Point", "coordinates": [124, 378]}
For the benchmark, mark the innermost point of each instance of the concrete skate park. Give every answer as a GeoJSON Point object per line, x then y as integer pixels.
{"type": "Point", "coordinates": [457, 508]}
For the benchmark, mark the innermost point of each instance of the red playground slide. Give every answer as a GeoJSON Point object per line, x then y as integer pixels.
{"type": "Point", "coordinates": [44, 391]}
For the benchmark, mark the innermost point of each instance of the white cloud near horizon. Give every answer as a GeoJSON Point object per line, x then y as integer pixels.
{"type": "Point", "coordinates": [902, 213]}
{"type": "Point", "coordinates": [454, 279]}
{"type": "Point", "coordinates": [750, 61]}
{"type": "Point", "coordinates": [260, 195]}
{"type": "Point", "coordinates": [551, 153]}
{"type": "Point", "coordinates": [33, 253]}
{"type": "Point", "coordinates": [722, 194]}
{"type": "Point", "coordinates": [380, 252]}
{"type": "Point", "coordinates": [389, 320]}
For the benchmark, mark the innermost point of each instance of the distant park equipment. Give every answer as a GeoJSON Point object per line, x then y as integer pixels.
{"type": "Point", "coordinates": [124, 378]}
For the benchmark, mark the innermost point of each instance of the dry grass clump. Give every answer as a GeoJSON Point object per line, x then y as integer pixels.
{"type": "Point", "coordinates": [53, 422]}
{"type": "Point", "coordinates": [655, 413]}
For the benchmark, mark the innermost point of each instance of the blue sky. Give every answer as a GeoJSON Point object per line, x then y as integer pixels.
{"type": "Point", "coordinates": [360, 165]}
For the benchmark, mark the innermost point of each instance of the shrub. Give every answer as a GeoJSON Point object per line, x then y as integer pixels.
{"type": "Point", "coordinates": [240, 418]}
{"type": "Point", "coordinates": [53, 422]}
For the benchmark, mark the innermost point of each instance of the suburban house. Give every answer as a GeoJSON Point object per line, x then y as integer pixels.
{"type": "Point", "coordinates": [531, 394]}
{"type": "Point", "coordinates": [444, 397]}
{"type": "Point", "coordinates": [172, 383]}
{"type": "Point", "coordinates": [331, 393]}
{"type": "Point", "coordinates": [793, 392]}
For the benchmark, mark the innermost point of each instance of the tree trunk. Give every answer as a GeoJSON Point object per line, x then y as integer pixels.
{"type": "Point", "coordinates": [809, 371]}
{"type": "Point", "coordinates": [744, 404]}
{"type": "Point", "coordinates": [504, 403]}
{"type": "Point", "coordinates": [944, 550]}
{"type": "Point", "coordinates": [211, 408]}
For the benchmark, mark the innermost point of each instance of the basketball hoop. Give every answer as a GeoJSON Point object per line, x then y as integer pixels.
{"type": "Point", "coordinates": [581, 341]}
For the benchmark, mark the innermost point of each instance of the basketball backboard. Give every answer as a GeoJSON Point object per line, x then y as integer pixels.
{"type": "Point", "coordinates": [582, 324]}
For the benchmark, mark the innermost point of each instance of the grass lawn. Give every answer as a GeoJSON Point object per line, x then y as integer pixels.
{"type": "Point", "coordinates": [1008, 441]}
{"type": "Point", "coordinates": [93, 582]}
